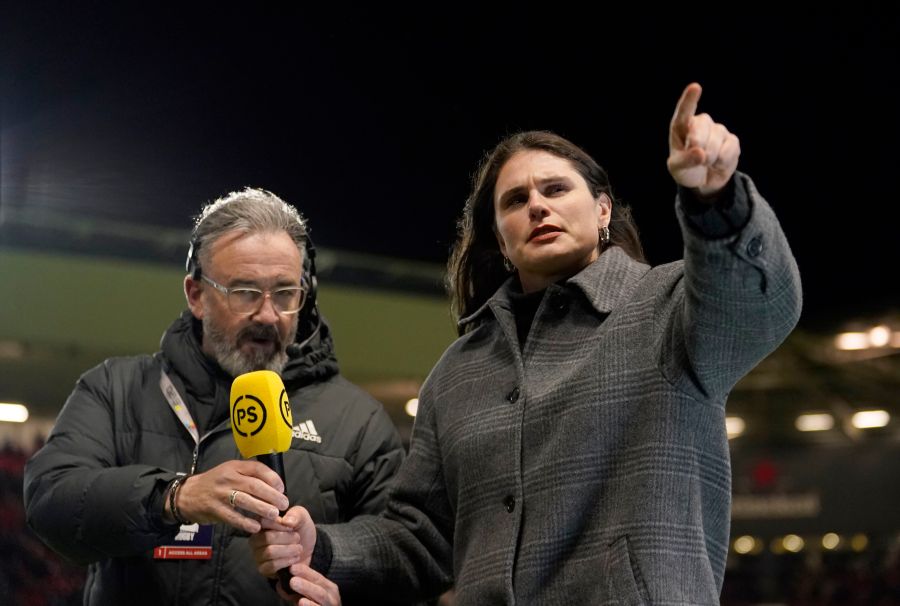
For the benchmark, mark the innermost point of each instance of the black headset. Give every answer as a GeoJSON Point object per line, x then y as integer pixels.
{"type": "Point", "coordinates": [310, 320]}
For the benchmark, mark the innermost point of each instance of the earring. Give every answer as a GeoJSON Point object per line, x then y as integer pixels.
{"type": "Point", "coordinates": [507, 264]}
{"type": "Point", "coordinates": [604, 235]}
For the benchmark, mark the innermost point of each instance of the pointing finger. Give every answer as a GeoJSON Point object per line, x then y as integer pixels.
{"type": "Point", "coordinates": [685, 110]}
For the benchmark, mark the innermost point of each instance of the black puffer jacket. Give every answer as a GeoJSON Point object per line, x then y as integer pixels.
{"type": "Point", "coordinates": [93, 493]}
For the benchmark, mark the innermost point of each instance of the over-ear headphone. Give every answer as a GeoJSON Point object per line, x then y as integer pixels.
{"type": "Point", "coordinates": [310, 319]}
{"type": "Point", "coordinates": [192, 264]}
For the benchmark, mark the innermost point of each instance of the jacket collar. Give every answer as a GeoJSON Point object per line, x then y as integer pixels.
{"type": "Point", "coordinates": [311, 358]}
{"type": "Point", "coordinates": [605, 283]}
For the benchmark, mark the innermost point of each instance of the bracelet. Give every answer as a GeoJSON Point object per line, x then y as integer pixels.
{"type": "Point", "coordinates": [173, 500]}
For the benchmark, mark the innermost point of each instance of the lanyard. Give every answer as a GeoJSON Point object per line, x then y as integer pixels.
{"type": "Point", "coordinates": [178, 406]}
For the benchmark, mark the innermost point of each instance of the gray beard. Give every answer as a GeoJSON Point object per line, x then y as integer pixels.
{"type": "Point", "coordinates": [234, 361]}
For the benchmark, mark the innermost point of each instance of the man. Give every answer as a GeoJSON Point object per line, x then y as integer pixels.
{"type": "Point", "coordinates": [142, 459]}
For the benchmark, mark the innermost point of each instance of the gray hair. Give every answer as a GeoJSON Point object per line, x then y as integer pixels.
{"type": "Point", "coordinates": [250, 210]}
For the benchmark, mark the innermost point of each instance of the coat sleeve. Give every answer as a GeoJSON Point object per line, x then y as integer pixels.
{"type": "Point", "coordinates": [739, 299]}
{"type": "Point", "coordinates": [78, 498]}
{"type": "Point", "coordinates": [407, 552]}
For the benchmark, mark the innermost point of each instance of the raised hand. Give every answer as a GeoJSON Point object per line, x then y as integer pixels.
{"type": "Point", "coordinates": [703, 155]}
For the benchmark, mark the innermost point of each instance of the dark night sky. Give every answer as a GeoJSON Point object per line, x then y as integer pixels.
{"type": "Point", "coordinates": [371, 122]}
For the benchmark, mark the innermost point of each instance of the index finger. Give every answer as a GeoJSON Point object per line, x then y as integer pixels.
{"type": "Point", "coordinates": [686, 107]}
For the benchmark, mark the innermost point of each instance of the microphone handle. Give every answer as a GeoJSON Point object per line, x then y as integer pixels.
{"type": "Point", "coordinates": [275, 462]}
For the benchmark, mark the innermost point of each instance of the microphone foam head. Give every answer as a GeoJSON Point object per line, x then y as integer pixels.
{"type": "Point", "coordinates": [260, 414]}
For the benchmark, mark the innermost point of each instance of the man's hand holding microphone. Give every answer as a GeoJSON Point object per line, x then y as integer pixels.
{"type": "Point", "coordinates": [240, 493]}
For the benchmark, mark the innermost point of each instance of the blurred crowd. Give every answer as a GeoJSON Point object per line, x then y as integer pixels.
{"type": "Point", "coordinates": [31, 574]}
{"type": "Point", "coordinates": [871, 577]}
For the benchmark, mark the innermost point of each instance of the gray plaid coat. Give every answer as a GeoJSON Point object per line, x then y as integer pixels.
{"type": "Point", "coordinates": [592, 467]}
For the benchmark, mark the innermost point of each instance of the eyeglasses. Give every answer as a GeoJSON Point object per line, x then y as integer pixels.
{"type": "Point", "coordinates": [246, 300]}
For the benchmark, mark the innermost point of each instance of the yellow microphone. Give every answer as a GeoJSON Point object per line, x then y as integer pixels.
{"type": "Point", "coordinates": [262, 426]}
{"type": "Point", "coordinates": [261, 415]}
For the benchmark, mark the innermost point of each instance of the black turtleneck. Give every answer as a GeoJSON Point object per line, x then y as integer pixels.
{"type": "Point", "coordinates": [525, 306]}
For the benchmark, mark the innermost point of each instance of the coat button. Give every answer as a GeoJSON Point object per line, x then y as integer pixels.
{"type": "Point", "coordinates": [509, 502]}
{"type": "Point", "coordinates": [512, 396]}
{"type": "Point", "coordinates": [754, 246]}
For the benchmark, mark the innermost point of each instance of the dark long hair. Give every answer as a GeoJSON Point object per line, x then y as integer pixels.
{"type": "Point", "coordinates": [475, 269]}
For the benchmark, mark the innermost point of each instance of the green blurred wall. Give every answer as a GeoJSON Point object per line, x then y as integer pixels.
{"type": "Point", "coordinates": [60, 314]}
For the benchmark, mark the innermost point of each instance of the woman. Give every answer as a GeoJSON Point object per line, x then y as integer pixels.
{"type": "Point", "coordinates": [570, 447]}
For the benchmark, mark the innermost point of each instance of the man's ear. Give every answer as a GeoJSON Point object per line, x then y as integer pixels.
{"type": "Point", "coordinates": [192, 292]}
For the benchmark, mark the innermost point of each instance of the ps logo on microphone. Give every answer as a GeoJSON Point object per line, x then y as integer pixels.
{"type": "Point", "coordinates": [248, 415]}
{"type": "Point", "coordinates": [258, 397]}
{"type": "Point", "coordinates": [285, 408]}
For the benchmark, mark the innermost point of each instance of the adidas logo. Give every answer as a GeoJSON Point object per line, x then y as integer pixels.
{"type": "Point", "coordinates": [307, 431]}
